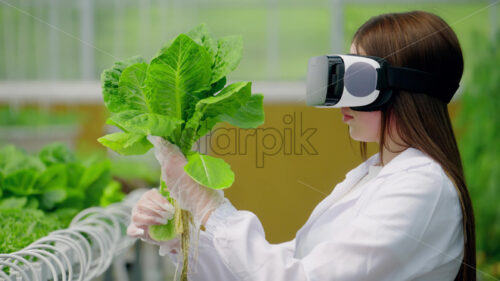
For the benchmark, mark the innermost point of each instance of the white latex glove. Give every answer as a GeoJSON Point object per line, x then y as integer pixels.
{"type": "Point", "coordinates": [152, 209]}
{"type": "Point", "coordinates": [190, 195]}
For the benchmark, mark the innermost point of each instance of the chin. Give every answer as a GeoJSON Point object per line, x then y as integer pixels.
{"type": "Point", "coordinates": [359, 139]}
{"type": "Point", "coordinates": [357, 136]}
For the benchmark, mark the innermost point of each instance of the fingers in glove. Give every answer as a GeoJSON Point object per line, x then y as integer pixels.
{"type": "Point", "coordinates": [154, 194]}
{"type": "Point", "coordinates": [152, 203]}
{"type": "Point", "coordinates": [152, 211]}
{"type": "Point", "coordinates": [156, 203]}
{"type": "Point", "coordinates": [141, 232]}
{"type": "Point", "coordinates": [159, 201]}
{"type": "Point", "coordinates": [135, 231]}
{"type": "Point", "coordinates": [141, 218]}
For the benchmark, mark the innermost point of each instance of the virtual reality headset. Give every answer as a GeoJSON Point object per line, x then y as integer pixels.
{"type": "Point", "coordinates": [367, 83]}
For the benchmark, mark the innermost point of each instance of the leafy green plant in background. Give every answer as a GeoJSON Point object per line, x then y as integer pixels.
{"type": "Point", "coordinates": [144, 172]}
{"type": "Point", "coordinates": [180, 95]}
{"type": "Point", "coordinates": [479, 123]}
{"type": "Point", "coordinates": [33, 117]}
{"type": "Point", "coordinates": [18, 228]}
{"type": "Point", "coordinates": [55, 182]}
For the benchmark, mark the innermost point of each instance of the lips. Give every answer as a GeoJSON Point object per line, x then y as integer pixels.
{"type": "Point", "coordinates": [346, 117]}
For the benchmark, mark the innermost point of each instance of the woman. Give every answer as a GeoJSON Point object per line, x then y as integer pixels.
{"type": "Point", "coordinates": [403, 214]}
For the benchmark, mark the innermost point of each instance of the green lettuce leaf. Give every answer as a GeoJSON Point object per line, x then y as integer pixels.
{"type": "Point", "coordinates": [177, 76]}
{"type": "Point", "coordinates": [217, 86]}
{"type": "Point", "coordinates": [13, 203]}
{"type": "Point", "coordinates": [202, 36]}
{"type": "Point", "coordinates": [112, 193]}
{"type": "Point", "coordinates": [250, 115]}
{"type": "Point", "coordinates": [131, 87]}
{"type": "Point", "coordinates": [74, 172]}
{"type": "Point", "coordinates": [126, 143]}
{"type": "Point", "coordinates": [22, 161]}
{"type": "Point", "coordinates": [208, 111]}
{"type": "Point", "coordinates": [33, 203]}
{"type": "Point", "coordinates": [229, 53]}
{"type": "Point", "coordinates": [94, 180]}
{"type": "Point", "coordinates": [227, 101]}
{"type": "Point", "coordinates": [110, 84]}
{"type": "Point", "coordinates": [74, 199]}
{"type": "Point", "coordinates": [9, 154]}
{"type": "Point", "coordinates": [55, 153]}
{"type": "Point", "coordinates": [21, 182]}
{"type": "Point", "coordinates": [209, 171]}
{"type": "Point", "coordinates": [141, 123]}
{"type": "Point", "coordinates": [53, 176]}
{"type": "Point", "coordinates": [94, 168]}
{"type": "Point", "coordinates": [163, 232]}
{"type": "Point", "coordinates": [51, 196]}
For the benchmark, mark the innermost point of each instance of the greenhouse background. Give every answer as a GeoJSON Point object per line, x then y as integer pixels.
{"type": "Point", "coordinates": [52, 54]}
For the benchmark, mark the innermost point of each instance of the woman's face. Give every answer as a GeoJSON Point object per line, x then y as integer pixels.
{"type": "Point", "coordinates": [363, 126]}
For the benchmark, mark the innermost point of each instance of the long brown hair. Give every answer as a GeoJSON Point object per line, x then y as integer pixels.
{"type": "Point", "coordinates": [423, 41]}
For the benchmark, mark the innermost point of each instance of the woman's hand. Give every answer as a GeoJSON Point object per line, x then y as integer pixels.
{"type": "Point", "coordinates": [190, 195]}
{"type": "Point", "coordinates": [152, 209]}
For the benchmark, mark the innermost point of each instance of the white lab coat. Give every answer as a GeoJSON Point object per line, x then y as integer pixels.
{"type": "Point", "coordinates": [405, 224]}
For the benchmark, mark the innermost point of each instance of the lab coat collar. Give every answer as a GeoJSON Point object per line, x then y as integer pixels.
{"type": "Point", "coordinates": [409, 158]}
{"type": "Point", "coordinates": [362, 168]}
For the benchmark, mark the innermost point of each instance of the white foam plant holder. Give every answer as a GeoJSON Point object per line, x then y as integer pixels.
{"type": "Point", "coordinates": [81, 252]}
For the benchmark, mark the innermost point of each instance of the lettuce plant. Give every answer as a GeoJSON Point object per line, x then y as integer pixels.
{"type": "Point", "coordinates": [19, 229]}
{"type": "Point", "coordinates": [46, 190]}
{"type": "Point", "coordinates": [54, 180]}
{"type": "Point", "coordinates": [180, 95]}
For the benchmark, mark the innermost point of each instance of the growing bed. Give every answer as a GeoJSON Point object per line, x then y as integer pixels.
{"type": "Point", "coordinates": [83, 251]}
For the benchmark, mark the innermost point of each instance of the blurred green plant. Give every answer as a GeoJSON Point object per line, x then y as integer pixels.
{"type": "Point", "coordinates": [19, 229]}
{"type": "Point", "coordinates": [479, 127]}
{"type": "Point", "coordinates": [33, 117]}
{"type": "Point", "coordinates": [132, 172]}
{"type": "Point", "coordinates": [54, 182]}
{"type": "Point", "coordinates": [135, 173]}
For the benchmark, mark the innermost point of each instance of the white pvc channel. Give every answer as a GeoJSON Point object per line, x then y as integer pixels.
{"type": "Point", "coordinates": [81, 252]}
